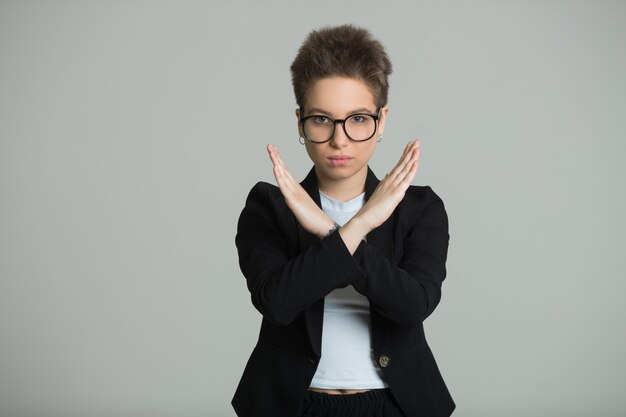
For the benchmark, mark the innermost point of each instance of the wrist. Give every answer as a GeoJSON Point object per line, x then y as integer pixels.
{"type": "Point", "coordinates": [358, 225]}
{"type": "Point", "coordinates": [329, 227]}
{"type": "Point", "coordinates": [332, 230]}
{"type": "Point", "coordinates": [353, 232]}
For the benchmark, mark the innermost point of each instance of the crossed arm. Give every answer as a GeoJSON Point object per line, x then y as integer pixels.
{"type": "Point", "coordinates": [281, 287]}
{"type": "Point", "coordinates": [376, 210]}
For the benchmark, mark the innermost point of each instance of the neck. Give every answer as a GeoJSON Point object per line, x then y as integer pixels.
{"type": "Point", "coordinates": [344, 189]}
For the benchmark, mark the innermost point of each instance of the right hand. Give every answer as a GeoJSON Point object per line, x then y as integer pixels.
{"type": "Point", "coordinates": [308, 214]}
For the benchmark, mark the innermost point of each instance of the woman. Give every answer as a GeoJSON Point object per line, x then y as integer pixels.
{"type": "Point", "coordinates": [343, 267]}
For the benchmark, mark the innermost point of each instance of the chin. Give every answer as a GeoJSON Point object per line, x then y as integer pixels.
{"type": "Point", "coordinates": [341, 173]}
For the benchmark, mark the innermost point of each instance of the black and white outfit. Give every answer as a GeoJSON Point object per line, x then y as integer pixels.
{"type": "Point", "coordinates": [342, 321]}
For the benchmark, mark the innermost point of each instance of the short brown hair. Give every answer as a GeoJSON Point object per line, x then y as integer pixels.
{"type": "Point", "coordinates": [346, 51]}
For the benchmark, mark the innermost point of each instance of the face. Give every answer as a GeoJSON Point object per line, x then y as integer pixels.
{"type": "Point", "coordinates": [341, 159]}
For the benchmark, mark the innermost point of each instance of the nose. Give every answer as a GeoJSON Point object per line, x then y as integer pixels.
{"type": "Point", "coordinates": [339, 138]}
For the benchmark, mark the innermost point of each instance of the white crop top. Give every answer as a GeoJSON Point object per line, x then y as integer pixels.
{"type": "Point", "coordinates": [347, 360]}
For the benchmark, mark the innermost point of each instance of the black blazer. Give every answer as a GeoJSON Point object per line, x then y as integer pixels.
{"type": "Point", "coordinates": [289, 271]}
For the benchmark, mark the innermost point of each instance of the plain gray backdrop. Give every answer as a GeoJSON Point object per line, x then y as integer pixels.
{"type": "Point", "coordinates": [131, 133]}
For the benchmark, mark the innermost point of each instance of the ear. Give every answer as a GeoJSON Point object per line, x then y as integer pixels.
{"type": "Point", "coordinates": [298, 121]}
{"type": "Point", "coordinates": [383, 118]}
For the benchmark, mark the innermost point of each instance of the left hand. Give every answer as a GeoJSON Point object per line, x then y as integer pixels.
{"type": "Point", "coordinates": [308, 214]}
{"type": "Point", "coordinates": [391, 189]}
{"type": "Point", "coordinates": [384, 199]}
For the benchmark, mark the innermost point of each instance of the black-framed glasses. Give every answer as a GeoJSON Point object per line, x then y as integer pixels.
{"type": "Point", "coordinates": [358, 127]}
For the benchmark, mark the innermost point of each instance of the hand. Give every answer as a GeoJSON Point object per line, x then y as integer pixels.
{"type": "Point", "coordinates": [383, 200]}
{"type": "Point", "coordinates": [308, 214]}
{"type": "Point", "coordinates": [391, 189]}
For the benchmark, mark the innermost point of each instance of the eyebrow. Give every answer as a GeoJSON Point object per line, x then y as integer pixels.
{"type": "Point", "coordinates": [317, 110]}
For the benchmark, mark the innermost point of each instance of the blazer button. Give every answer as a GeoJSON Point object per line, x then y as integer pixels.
{"type": "Point", "coordinates": [384, 360]}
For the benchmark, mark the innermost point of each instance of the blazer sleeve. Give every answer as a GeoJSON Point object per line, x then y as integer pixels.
{"type": "Point", "coordinates": [407, 292]}
{"type": "Point", "coordinates": [281, 281]}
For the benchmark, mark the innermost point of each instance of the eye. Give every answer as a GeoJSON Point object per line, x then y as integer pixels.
{"type": "Point", "coordinates": [321, 120]}
{"type": "Point", "coordinates": [357, 118]}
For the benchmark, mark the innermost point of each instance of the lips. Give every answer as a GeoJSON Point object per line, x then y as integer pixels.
{"type": "Point", "coordinates": [339, 160]}
{"type": "Point", "coordinates": [339, 157]}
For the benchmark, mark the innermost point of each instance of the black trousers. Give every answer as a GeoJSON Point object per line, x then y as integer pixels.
{"type": "Point", "coordinates": [372, 403]}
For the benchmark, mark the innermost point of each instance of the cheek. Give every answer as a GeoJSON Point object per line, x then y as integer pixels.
{"type": "Point", "coordinates": [369, 150]}
{"type": "Point", "coordinates": [311, 151]}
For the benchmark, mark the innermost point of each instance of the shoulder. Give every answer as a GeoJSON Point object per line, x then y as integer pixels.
{"type": "Point", "coordinates": [418, 196]}
{"type": "Point", "coordinates": [263, 191]}
{"type": "Point", "coordinates": [264, 217]}
{"type": "Point", "coordinates": [421, 205]}
{"type": "Point", "coordinates": [265, 199]}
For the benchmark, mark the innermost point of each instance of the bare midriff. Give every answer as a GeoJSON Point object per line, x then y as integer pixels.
{"type": "Point", "coordinates": [337, 391]}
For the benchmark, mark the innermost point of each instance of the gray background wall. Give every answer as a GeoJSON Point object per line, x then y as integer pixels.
{"type": "Point", "coordinates": [131, 132]}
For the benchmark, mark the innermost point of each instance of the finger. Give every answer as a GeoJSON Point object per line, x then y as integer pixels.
{"type": "Point", "coordinates": [274, 156]}
{"type": "Point", "coordinates": [404, 176]}
{"type": "Point", "coordinates": [283, 176]}
{"type": "Point", "coordinates": [287, 182]}
{"type": "Point", "coordinates": [408, 170]}
{"type": "Point", "coordinates": [413, 153]}
{"type": "Point", "coordinates": [278, 165]}
{"type": "Point", "coordinates": [406, 150]}
{"type": "Point", "coordinates": [283, 181]}
{"type": "Point", "coordinates": [278, 161]}
{"type": "Point", "coordinates": [280, 177]}
{"type": "Point", "coordinates": [408, 179]}
{"type": "Point", "coordinates": [277, 168]}
{"type": "Point", "coordinates": [286, 171]}
{"type": "Point", "coordinates": [401, 175]}
{"type": "Point", "coordinates": [279, 158]}
{"type": "Point", "coordinates": [405, 160]}
{"type": "Point", "coordinates": [406, 157]}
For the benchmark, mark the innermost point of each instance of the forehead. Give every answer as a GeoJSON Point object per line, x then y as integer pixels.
{"type": "Point", "coordinates": [339, 95]}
